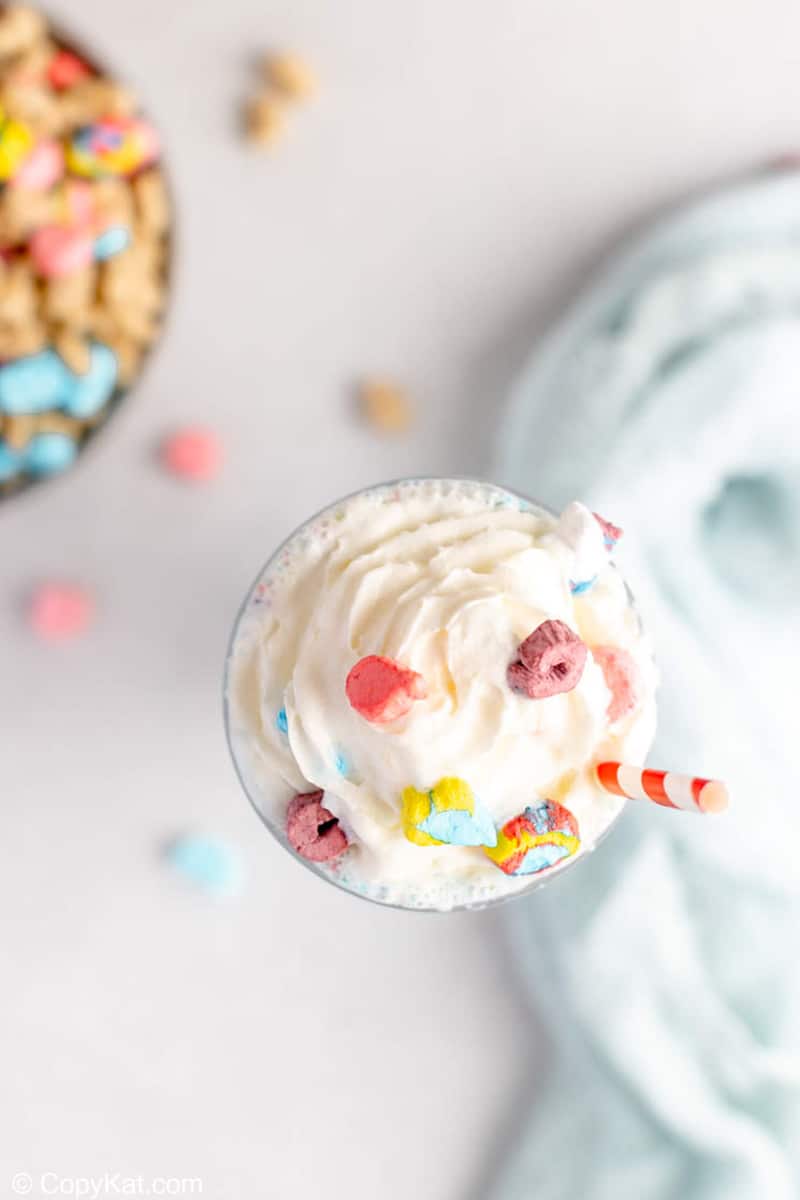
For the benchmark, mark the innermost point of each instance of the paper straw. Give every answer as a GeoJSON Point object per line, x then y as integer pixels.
{"type": "Point", "coordinates": [662, 787]}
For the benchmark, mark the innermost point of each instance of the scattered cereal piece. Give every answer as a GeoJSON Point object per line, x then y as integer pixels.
{"type": "Point", "coordinates": [537, 839]}
{"type": "Point", "coordinates": [623, 680]}
{"type": "Point", "coordinates": [446, 815]}
{"type": "Point", "coordinates": [385, 405]}
{"type": "Point", "coordinates": [59, 611]}
{"type": "Point", "coordinates": [193, 453]}
{"type": "Point", "coordinates": [313, 832]}
{"type": "Point", "coordinates": [265, 119]}
{"type": "Point", "coordinates": [291, 75]}
{"type": "Point", "coordinates": [382, 690]}
{"type": "Point", "coordinates": [208, 864]}
{"type": "Point", "coordinates": [549, 661]}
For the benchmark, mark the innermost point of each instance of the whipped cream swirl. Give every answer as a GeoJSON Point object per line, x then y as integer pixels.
{"type": "Point", "coordinates": [447, 578]}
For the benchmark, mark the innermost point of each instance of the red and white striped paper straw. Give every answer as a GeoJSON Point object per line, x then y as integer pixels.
{"type": "Point", "coordinates": [662, 787]}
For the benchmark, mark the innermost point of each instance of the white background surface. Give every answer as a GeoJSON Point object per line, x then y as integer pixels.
{"type": "Point", "coordinates": [464, 166]}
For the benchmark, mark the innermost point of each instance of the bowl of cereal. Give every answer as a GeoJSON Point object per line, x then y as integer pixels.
{"type": "Point", "coordinates": [85, 239]}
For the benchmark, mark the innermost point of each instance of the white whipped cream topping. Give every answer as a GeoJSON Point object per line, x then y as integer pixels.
{"type": "Point", "coordinates": [447, 578]}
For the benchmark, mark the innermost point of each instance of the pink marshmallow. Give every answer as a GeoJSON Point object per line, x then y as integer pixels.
{"type": "Point", "coordinates": [56, 250]}
{"type": "Point", "coordinates": [59, 611]}
{"type": "Point", "coordinates": [193, 453]}
{"type": "Point", "coordinates": [79, 202]}
{"type": "Point", "coordinates": [43, 167]}
{"type": "Point", "coordinates": [623, 680]}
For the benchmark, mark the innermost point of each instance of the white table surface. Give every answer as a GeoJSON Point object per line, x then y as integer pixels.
{"type": "Point", "coordinates": [463, 168]}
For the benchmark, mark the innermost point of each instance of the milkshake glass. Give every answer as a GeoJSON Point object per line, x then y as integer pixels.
{"type": "Point", "coordinates": [383, 692]}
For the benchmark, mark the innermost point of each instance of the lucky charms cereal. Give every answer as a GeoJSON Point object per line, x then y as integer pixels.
{"type": "Point", "coordinates": [84, 247]}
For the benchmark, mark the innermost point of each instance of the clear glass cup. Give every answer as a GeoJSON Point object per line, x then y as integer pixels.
{"type": "Point", "coordinates": [272, 793]}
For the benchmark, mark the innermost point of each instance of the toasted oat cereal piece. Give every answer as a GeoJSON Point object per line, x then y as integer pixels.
{"type": "Point", "coordinates": [101, 323]}
{"type": "Point", "coordinates": [17, 430]}
{"type": "Point", "coordinates": [129, 355]}
{"type": "Point", "coordinates": [138, 324]}
{"type": "Point", "coordinates": [20, 28]}
{"type": "Point", "coordinates": [34, 106]}
{"type": "Point", "coordinates": [31, 65]}
{"type": "Point", "coordinates": [68, 300]}
{"type": "Point", "coordinates": [265, 119]}
{"type": "Point", "coordinates": [127, 290]}
{"type": "Point", "coordinates": [152, 202]}
{"type": "Point", "coordinates": [58, 422]}
{"type": "Point", "coordinates": [385, 405]}
{"type": "Point", "coordinates": [18, 296]}
{"type": "Point", "coordinates": [94, 98]}
{"type": "Point", "coordinates": [73, 349]}
{"type": "Point", "coordinates": [18, 341]}
{"type": "Point", "coordinates": [113, 202]}
{"type": "Point", "coordinates": [290, 75]}
{"type": "Point", "coordinates": [20, 213]}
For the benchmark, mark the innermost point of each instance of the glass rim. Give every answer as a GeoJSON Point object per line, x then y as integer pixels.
{"type": "Point", "coordinates": [538, 880]}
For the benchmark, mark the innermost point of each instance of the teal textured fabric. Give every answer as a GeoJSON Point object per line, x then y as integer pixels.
{"type": "Point", "coordinates": [666, 967]}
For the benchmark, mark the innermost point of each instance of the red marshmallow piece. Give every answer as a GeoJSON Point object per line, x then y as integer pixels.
{"type": "Point", "coordinates": [548, 662]}
{"type": "Point", "coordinates": [313, 832]}
{"type": "Point", "coordinates": [611, 533]}
{"type": "Point", "coordinates": [59, 611]}
{"type": "Point", "coordinates": [65, 69]}
{"type": "Point", "coordinates": [193, 453]}
{"type": "Point", "coordinates": [382, 690]}
{"type": "Point", "coordinates": [623, 680]}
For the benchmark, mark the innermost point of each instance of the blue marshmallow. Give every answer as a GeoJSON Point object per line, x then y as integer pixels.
{"type": "Point", "coordinates": [34, 384]}
{"type": "Point", "coordinates": [49, 453]}
{"type": "Point", "coordinates": [112, 241]}
{"type": "Point", "coordinates": [208, 864]}
{"type": "Point", "coordinates": [43, 381]}
{"type": "Point", "coordinates": [90, 392]}
{"type": "Point", "coordinates": [10, 462]}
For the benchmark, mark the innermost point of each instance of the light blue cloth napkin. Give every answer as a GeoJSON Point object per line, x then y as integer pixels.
{"type": "Point", "coordinates": [667, 966]}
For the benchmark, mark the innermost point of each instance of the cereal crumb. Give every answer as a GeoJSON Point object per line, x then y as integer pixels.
{"type": "Point", "coordinates": [290, 75]}
{"type": "Point", "coordinates": [59, 611]}
{"type": "Point", "coordinates": [385, 405]}
{"type": "Point", "coordinates": [193, 453]}
{"type": "Point", "coordinates": [265, 119]}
